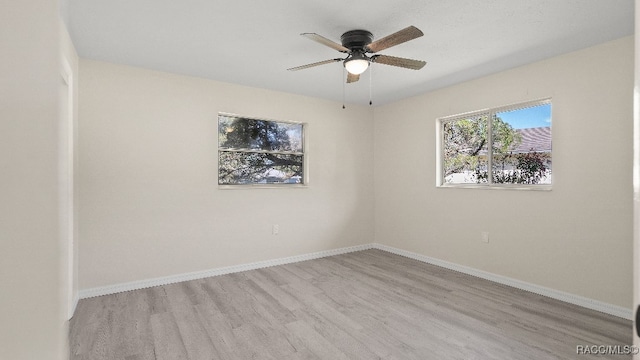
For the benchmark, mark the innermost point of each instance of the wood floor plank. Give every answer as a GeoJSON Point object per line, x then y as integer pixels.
{"type": "Point", "coordinates": [146, 355]}
{"type": "Point", "coordinates": [335, 334]}
{"type": "Point", "coordinates": [168, 342]}
{"type": "Point", "coordinates": [363, 305]}
{"type": "Point", "coordinates": [134, 324]}
{"type": "Point", "coordinates": [220, 333]}
{"type": "Point", "coordinates": [84, 325]}
{"type": "Point", "coordinates": [284, 298]}
{"type": "Point", "coordinates": [197, 343]}
{"type": "Point", "coordinates": [267, 303]}
{"type": "Point", "coordinates": [315, 342]}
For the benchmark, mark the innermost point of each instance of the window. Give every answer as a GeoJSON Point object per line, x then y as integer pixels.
{"type": "Point", "coordinates": [511, 150]}
{"type": "Point", "coordinates": [256, 151]}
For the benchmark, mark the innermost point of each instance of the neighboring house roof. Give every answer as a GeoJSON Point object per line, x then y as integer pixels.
{"type": "Point", "coordinates": [538, 139]}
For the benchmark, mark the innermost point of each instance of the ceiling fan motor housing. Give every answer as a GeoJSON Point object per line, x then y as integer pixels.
{"type": "Point", "coordinates": [356, 39]}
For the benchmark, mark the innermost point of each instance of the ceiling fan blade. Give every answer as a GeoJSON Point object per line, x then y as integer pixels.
{"type": "Point", "coordinates": [352, 78]}
{"type": "Point", "coordinates": [398, 61]}
{"type": "Point", "coordinates": [314, 64]}
{"type": "Point", "coordinates": [324, 41]}
{"type": "Point", "coordinates": [394, 39]}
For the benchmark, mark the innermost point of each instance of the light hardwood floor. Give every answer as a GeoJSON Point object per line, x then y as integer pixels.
{"type": "Point", "coordinates": [363, 305]}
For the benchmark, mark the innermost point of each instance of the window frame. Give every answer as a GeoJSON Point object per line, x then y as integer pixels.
{"type": "Point", "coordinates": [490, 112]}
{"type": "Point", "coordinates": [305, 177]}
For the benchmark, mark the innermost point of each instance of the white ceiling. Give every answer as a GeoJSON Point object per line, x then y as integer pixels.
{"type": "Point", "coordinates": [254, 42]}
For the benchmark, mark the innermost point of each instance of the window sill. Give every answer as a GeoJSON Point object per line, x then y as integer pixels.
{"type": "Point", "coordinates": [497, 187]}
{"type": "Point", "coordinates": [262, 186]}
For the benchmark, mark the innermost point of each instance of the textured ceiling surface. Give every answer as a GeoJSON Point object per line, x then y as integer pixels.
{"type": "Point", "coordinates": [253, 42]}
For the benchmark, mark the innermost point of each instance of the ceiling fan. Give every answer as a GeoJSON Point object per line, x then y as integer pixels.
{"type": "Point", "coordinates": [357, 43]}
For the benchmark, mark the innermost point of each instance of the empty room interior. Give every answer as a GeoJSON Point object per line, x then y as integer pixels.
{"type": "Point", "coordinates": [218, 180]}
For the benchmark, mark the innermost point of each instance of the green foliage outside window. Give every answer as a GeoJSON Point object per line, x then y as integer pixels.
{"type": "Point", "coordinates": [466, 141]}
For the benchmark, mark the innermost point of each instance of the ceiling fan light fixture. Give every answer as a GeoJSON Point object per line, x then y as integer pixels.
{"type": "Point", "coordinates": [356, 67]}
{"type": "Point", "coordinates": [356, 64]}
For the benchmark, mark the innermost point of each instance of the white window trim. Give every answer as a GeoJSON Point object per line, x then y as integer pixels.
{"type": "Point", "coordinates": [440, 182]}
{"type": "Point", "coordinates": [305, 157]}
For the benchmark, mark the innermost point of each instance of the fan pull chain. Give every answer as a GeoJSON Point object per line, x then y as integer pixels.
{"type": "Point", "coordinates": [343, 81]}
{"type": "Point", "coordinates": [370, 84]}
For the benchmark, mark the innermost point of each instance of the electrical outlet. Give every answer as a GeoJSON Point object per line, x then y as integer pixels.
{"type": "Point", "coordinates": [485, 236]}
{"type": "Point", "coordinates": [275, 229]}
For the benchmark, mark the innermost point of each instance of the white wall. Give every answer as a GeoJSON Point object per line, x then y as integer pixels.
{"type": "Point", "coordinates": [149, 201]}
{"type": "Point", "coordinates": [31, 303]}
{"type": "Point", "coordinates": [576, 238]}
{"type": "Point", "coordinates": [68, 165]}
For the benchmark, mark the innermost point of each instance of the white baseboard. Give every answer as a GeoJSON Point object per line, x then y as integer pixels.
{"type": "Point", "coordinates": [588, 303]}
{"type": "Point", "coordinates": [74, 305]}
{"type": "Point", "coordinates": [143, 284]}
{"type": "Point", "coordinates": [76, 299]}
